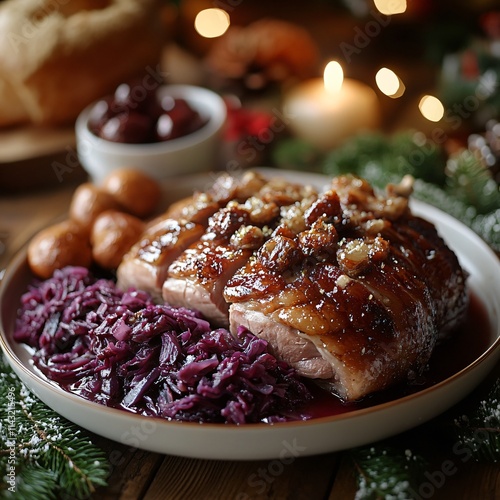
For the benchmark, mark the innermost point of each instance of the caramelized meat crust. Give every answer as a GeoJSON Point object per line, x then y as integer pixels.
{"type": "Point", "coordinates": [361, 296]}
{"type": "Point", "coordinates": [198, 277]}
{"type": "Point", "coordinates": [347, 285]}
{"type": "Point", "coordinates": [146, 264]}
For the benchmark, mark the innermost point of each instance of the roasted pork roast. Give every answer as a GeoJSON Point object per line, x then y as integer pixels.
{"type": "Point", "coordinates": [346, 285]}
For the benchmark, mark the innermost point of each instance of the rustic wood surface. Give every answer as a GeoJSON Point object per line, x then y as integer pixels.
{"type": "Point", "coordinates": [137, 474]}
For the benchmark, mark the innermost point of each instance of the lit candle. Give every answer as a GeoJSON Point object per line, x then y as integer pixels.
{"type": "Point", "coordinates": [327, 111]}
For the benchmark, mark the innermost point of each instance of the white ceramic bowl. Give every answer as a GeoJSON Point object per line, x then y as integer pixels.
{"type": "Point", "coordinates": [195, 152]}
{"type": "Point", "coordinates": [261, 441]}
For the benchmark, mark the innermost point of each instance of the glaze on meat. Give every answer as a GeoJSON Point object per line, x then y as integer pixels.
{"type": "Point", "coordinates": [346, 285]}
{"type": "Point", "coordinates": [146, 264]}
{"type": "Point", "coordinates": [357, 300]}
{"type": "Point", "coordinates": [198, 277]}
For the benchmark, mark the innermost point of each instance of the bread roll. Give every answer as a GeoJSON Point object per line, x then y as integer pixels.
{"type": "Point", "coordinates": [57, 56]}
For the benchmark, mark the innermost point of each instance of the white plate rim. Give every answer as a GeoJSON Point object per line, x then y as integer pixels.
{"type": "Point", "coordinates": [239, 442]}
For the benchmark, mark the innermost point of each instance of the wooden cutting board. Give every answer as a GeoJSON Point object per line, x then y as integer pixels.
{"type": "Point", "coordinates": [34, 158]}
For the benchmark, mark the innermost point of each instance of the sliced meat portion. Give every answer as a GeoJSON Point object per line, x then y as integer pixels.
{"type": "Point", "coordinates": [359, 298]}
{"type": "Point", "coordinates": [197, 278]}
{"type": "Point", "coordinates": [146, 264]}
{"type": "Point", "coordinates": [288, 343]}
{"type": "Point", "coordinates": [348, 286]}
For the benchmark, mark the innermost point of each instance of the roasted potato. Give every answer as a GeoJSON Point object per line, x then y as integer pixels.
{"type": "Point", "coordinates": [136, 192]}
{"type": "Point", "coordinates": [60, 245]}
{"type": "Point", "coordinates": [112, 235]}
{"type": "Point", "coordinates": [88, 202]}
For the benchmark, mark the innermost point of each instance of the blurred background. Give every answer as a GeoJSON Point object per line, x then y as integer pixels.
{"type": "Point", "coordinates": [428, 67]}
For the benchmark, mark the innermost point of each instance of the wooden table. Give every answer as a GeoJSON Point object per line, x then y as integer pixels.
{"type": "Point", "coordinates": [138, 474]}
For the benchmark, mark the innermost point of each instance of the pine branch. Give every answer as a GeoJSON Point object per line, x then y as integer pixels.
{"type": "Point", "coordinates": [478, 432]}
{"type": "Point", "coordinates": [472, 183]}
{"type": "Point", "coordinates": [382, 160]}
{"type": "Point", "coordinates": [487, 226]}
{"type": "Point", "coordinates": [433, 195]}
{"type": "Point", "coordinates": [49, 456]}
{"type": "Point", "coordinates": [34, 483]}
{"type": "Point", "coordinates": [386, 472]}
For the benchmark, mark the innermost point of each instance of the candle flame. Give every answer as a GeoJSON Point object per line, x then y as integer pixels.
{"type": "Point", "coordinates": [333, 77]}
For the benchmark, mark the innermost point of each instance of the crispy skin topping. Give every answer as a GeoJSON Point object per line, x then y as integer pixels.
{"type": "Point", "coordinates": [347, 285]}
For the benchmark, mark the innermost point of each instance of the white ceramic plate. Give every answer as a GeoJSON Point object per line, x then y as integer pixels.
{"type": "Point", "coordinates": [262, 441]}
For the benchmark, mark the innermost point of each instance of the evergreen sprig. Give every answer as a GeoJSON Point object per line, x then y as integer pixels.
{"type": "Point", "coordinates": [467, 191]}
{"type": "Point", "coordinates": [472, 183]}
{"type": "Point", "coordinates": [487, 226]}
{"type": "Point", "coordinates": [49, 456]}
{"type": "Point", "coordinates": [433, 195]}
{"type": "Point", "coordinates": [382, 160]}
{"type": "Point", "coordinates": [479, 431]}
{"type": "Point", "coordinates": [383, 471]}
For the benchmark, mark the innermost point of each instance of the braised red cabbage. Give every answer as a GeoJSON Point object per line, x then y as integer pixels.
{"type": "Point", "coordinates": [122, 350]}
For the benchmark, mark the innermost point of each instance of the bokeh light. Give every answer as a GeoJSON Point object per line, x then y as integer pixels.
{"type": "Point", "coordinates": [390, 7]}
{"type": "Point", "coordinates": [211, 23]}
{"type": "Point", "coordinates": [389, 83]}
{"type": "Point", "coordinates": [431, 108]}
